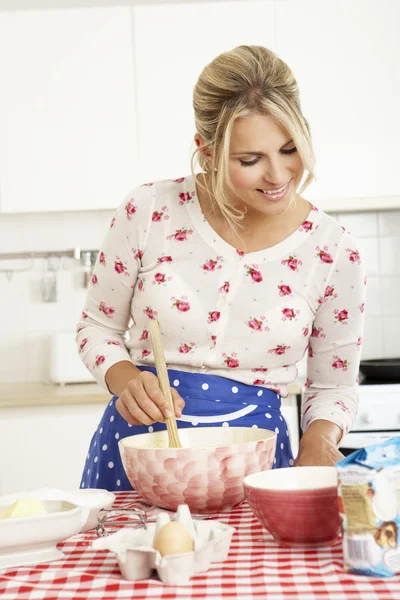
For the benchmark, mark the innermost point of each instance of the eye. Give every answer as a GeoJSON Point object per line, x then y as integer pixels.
{"type": "Point", "coordinates": [289, 151]}
{"type": "Point", "coordinates": [246, 163]}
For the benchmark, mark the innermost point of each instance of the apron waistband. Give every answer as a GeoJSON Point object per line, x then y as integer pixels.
{"type": "Point", "coordinates": [219, 390]}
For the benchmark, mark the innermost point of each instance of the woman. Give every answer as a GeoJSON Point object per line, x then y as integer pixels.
{"type": "Point", "coordinates": [243, 274]}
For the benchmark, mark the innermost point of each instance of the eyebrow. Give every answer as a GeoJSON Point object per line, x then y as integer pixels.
{"type": "Point", "coordinates": [255, 153]}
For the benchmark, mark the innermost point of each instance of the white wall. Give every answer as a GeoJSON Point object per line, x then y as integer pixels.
{"type": "Point", "coordinates": [26, 322]}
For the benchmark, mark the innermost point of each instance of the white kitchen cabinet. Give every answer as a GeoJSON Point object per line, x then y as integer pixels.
{"type": "Point", "coordinates": [45, 446]}
{"type": "Point", "coordinates": [173, 43]}
{"type": "Point", "coordinates": [67, 109]}
{"type": "Point", "coordinates": [345, 55]}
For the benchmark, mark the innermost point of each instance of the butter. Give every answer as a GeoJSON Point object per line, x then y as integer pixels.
{"type": "Point", "coordinates": [25, 507]}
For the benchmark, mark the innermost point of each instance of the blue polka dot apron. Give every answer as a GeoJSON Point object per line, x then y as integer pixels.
{"type": "Point", "coordinates": [210, 401]}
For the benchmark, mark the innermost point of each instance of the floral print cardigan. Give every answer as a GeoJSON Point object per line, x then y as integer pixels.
{"type": "Point", "coordinates": [248, 317]}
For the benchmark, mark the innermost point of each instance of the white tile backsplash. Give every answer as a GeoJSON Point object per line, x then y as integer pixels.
{"type": "Point", "coordinates": [389, 224]}
{"type": "Point", "coordinates": [373, 341]}
{"type": "Point", "coordinates": [390, 297]}
{"type": "Point", "coordinates": [26, 322]}
{"type": "Point", "coordinates": [360, 225]}
{"type": "Point", "coordinates": [369, 249]}
{"type": "Point", "coordinates": [391, 337]}
{"type": "Point", "coordinates": [390, 255]}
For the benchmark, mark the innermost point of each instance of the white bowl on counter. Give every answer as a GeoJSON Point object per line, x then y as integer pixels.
{"type": "Point", "coordinates": [31, 540]}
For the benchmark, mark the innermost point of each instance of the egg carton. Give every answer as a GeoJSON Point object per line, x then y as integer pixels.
{"type": "Point", "coordinates": [137, 558]}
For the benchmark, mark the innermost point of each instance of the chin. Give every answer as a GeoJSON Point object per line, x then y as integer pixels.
{"type": "Point", "coordinates": [274, 209]}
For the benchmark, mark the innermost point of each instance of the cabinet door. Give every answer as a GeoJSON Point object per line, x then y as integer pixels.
{"type": "Point", "coordinates": [45, 446]}
{"type": "Point", "coordinates": [173, 43]}
{"type": "Point", "coordinates": [67, 109]}
{"type": "Point", "coordinates": [345, 56]}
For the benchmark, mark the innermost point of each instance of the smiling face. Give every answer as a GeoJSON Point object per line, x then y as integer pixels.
{"type": "Point", "coordinates": [264, 166]}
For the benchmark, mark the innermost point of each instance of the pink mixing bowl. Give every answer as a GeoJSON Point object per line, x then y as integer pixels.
{"type": "Point", "coordinates": [206, 474]}
{"type": "Point", "coordinates": [298, 505]}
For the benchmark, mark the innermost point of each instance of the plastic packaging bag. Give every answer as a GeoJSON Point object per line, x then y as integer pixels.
{"type": "Point", "coordinates": [369, 507]}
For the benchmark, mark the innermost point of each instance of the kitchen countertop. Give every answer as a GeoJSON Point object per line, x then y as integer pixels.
{"type": "Point", "coordinates": [42, 394]}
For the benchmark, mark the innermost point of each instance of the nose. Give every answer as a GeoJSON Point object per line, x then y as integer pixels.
{"type": "Point", "coordinates": [276, 173]}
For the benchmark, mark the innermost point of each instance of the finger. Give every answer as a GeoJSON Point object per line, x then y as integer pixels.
{"type": "Point", "coordinates": [154, 393]}
{"type": "Point", "coordinates": [125, 414]}
{"type": "Point", "coordinates": [333, 451]}
{"type": "Point", "coordinates": [135, 412]}
{"type": "Point", "coordinates": [179, 403]}
{"type": "Point", "coordinates": [143, 402]}
{"type": "Point", "coordinates": [123, 411]}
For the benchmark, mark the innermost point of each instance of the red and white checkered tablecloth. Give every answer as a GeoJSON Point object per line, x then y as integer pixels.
{"type": "Point", "coordinates": [256, 568]}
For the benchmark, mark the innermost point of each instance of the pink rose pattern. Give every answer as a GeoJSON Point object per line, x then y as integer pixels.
{"type": "Point", "coordinates": [186, 348]}
{"type": "Point", "coordinates": [258, 324]}
{"type": "Point", "coordinates": [292, 325]}
{"type": "Point", "coordinates": [328, 293]}
{"type": "Point", "coordinates": [284, 290]}
{"type": "Point", "coordinates": [181, 304]}
{"type": "Point", "coordinates": [254, 273]}
{"type": "Point", "coordinates": [160, 278]}
{"type": "Point", "coordinates": [212, 264]}
{"type": "Point", "coordinates": [100, 358]}
{"type": "Point", "coordinates": [290, 314]}
{"type": "Point", "coordinates": [120, 267]}
{"type": "Point", "coordinates": [341, 316]}
{"type": "Point", "coordinates": [213, 316]}
{"type": "Point", "coordinates": [180, 235]}
{"type": "Point", "coordinates": [185, 197]}
{"type": "Point", "coordinates": [339, 363]}
{"type": "Point", "coordinates": [324, 255]}
{"type": "Point", "coordinates": [306, 226]}
{"type": "Point", "coordinates": [130, 208]}
{"type": "Point", "coordinates": [224, 289]}
{"type": "Point", "coordinates": [230, 360]}
{"type": "Point", "coordinates": [159, 216]}
{"type": "Point", "coordinates": [292, 262]}
{"type": "Point", "coordinates": [353, 256]}
{"type": "Point", "coordinates": [138, 254]}
{"type": "Point", "coordinates": [107, 310]}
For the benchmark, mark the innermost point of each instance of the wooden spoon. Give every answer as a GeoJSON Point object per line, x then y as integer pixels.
{"type": "Point", "coordinates": [163, 380]}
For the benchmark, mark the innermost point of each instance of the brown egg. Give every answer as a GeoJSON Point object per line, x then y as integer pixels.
{"type": "Point", "coordinates": [173, 538]}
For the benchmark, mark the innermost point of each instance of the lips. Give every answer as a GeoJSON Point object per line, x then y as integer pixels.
{"type": "Point", "coordinates": [276, 193]}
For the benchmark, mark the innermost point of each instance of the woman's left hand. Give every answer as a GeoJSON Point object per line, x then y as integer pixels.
{"type": "Point", "coordinates": [318, 446]}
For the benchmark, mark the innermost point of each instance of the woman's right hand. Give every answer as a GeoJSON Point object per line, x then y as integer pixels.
{"type": "Point", "coordinates": [142, 401]}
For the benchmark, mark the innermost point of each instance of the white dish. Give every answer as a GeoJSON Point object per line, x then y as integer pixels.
{"type": "Point", "coordinates": [30, 540]}
{"type": "Point", "coordinates": [93, 499]}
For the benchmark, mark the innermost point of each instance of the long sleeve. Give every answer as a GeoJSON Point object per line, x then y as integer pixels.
{"type": "Point", "coordinates": [107, 310]}
{"type": "Point", "coordinates": [335, 343]}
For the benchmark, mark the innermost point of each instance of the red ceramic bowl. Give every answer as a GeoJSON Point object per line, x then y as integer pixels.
{"type": "Point", "coordinates": [297, 505]}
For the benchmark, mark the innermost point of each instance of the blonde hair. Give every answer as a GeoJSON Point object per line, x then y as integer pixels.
{"type": "Point", "coordinates": [245, 80]}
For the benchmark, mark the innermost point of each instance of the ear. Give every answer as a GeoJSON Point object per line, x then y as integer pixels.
{"type": "Point", "coordinates": [205, 151]}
